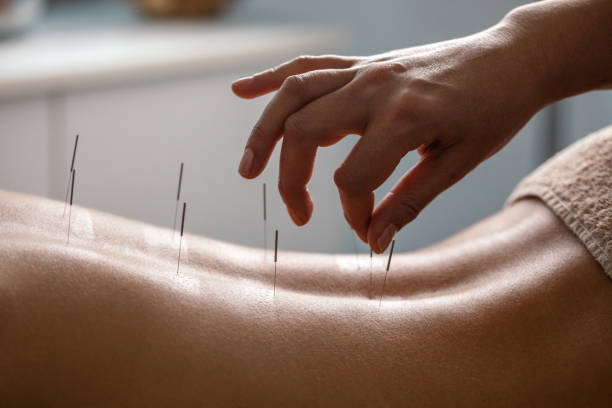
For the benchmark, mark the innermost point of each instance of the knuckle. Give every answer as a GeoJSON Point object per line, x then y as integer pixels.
{"type": "Point", "coordinates": [409, 207]}
{"type": "Point", "coordinates": [257, 136]}
{"type": "Point", "coordinates": [304, 60]}
{"type": "Point", "coordinates": [265, 76]}
{"type": "Point", "coordinates": [379, 77]}
{"type": "Point", "coordinates": [403, 107]}
{"type": "Point", "coordinates": [287, 191]}
{"type": "Point", "coordinates": [394, 67]}
{"type": "Point", "coordinates": [293, 85]}
{"type": "Point", "coordinates": [269, 72]}
{"type": "Point", "coordinates": [294, 127]}
{"type": "Point", "coordinates": [346, 182]}
{"type": "Point", "coordinates": [282, 189]}
{"type": "Point", "coordinates": [340, 178]}
{"type": "Point", "coordinates": [409, 107]}
{"type": "Point", "coordinates": [456, 173]}
{"type": "Point", "coordinates": [388, 70]}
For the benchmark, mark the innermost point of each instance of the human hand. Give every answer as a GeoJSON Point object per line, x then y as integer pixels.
{"type": "Point", "coordinates": [456, 103]}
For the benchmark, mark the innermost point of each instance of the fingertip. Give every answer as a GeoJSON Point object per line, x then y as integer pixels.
{"type": "Point", "coordinates": [374, 246]}
{"type": "Point", "coordinates": [362, 236]}
{"type": "Point", "coordinates": [242, 82]}
{"type": "Point", "coordinates": [380, 235]}
{"type": "Point", "coordinates": [358, 215]}
{"type": "Point", "coordinates": [243, 88]}
{"type": "Point", "coordinates": [248, 164]}
{"type": "Point", "coordinates": [302, 214]}
{"type": "Point", "coordinates": [309, 207]}
{"type": "Point", "coordinates": [250, 176]}
{"type": "Point", "coordinates": [376, 250]}
{"type": "Point", "coordinates": [299, 218]}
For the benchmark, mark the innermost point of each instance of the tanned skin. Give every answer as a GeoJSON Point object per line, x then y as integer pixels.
{"type": "Point", "coordinates": [456, 102]}
{"type": "Point", "coordinates": [513, 311]}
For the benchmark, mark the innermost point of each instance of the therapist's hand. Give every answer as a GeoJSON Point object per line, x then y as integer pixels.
{"type": "Point", "coordinates": [456, 102]}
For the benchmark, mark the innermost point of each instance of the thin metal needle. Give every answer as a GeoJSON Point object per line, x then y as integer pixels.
{"type": "Point", "coordinates": [355, 250]}
{"type": "Point", "coordinates": [386, 273]}
{"type": "Point", "coordinates": [178, 197]}
{"type": "Point", "coordinates": [76, 142]}
{"type": "Point", "coordinates": [72, 176]}
{"type": "Point", "coordinates": [67, 193]}
{"type": "Point", "coordinates": [370, 270]}
{"type": "Point", "coordinates": [265, 216]}
{"type": "Point", "coordinates": [178, 263]}
{"type": "Point", "coordinates": [275, 258]}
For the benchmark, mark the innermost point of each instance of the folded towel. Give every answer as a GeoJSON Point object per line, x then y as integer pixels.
{"type": "Point", "coordinates": [577, 185]}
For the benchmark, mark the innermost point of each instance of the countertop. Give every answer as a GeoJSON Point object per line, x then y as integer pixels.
{"type": "Point", "coordinates": [59, 57]}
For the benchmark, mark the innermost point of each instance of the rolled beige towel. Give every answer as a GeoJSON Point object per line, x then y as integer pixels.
{"type": "Point", "coordinates": [577, 185]}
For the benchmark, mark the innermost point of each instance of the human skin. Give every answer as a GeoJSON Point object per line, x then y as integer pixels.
{"type": "Point", "coordinates": [457, 102]}
{"type": "Point", "coordinates": [510, 312]}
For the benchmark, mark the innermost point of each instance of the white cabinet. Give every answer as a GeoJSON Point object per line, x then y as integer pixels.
{"type": "Point", "coordinates": [23, 146]}
{"type": "Point", "coordinates": [144, 99]}
{"type": "Point", "coordinates": [133, 140]}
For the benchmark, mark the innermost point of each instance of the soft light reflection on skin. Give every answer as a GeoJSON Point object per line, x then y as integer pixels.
{"type": "Point", "coordinates": [158, 238]}
{"type": "Point", "coordinates": [449, 319]}
{"type": "Point", "coordinates": [185, 250]}
{"type": "Point", "coordinates": [351, 263]}
{"type": "Point", "coordinates": [82, 224]}
{"type": "Point", "coordinates": [183, 282]}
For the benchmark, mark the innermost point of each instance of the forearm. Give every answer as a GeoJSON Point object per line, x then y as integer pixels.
{"type": "Point", "coordinates": [568, 44]}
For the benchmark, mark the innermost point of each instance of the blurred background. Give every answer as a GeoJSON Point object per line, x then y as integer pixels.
{"type": "Point", "coordinates": [146, 83]}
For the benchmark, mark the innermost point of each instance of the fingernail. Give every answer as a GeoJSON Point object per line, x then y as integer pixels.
{"type": "Point", "coordinates": [385, 238]}
{"type": "Point", "coordinates": [347, 218]}
{"type": "Point", "coordinates": [299, 218]}
{"type": "Point", "coordinates": [246, 164]}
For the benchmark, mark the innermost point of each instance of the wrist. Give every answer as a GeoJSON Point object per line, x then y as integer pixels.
{"type": "Point", "coordinates": [519, 67]}
{"type": "Point", "coordinates": [529, 48]}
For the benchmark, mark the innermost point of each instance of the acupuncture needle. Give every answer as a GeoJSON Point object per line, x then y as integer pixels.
{"type": "Point", "coordinates": [72, 176]}
{"type": "Point", "coordinates": [178, 198]}
{"type": "Point", "coordinates": [76, 142]}
{"type": "Point", "coordinates": [178, 263]}
{"type": "Point", "coordinates": [386, 273]}
{"type": "Point", "coordinates": [370, 288]}
{"type": "Point", "coordinates": [265, 223]}
{"type": "Point", "coordinates": [275, 259]}
{"type": "Point", "coordinates": [355, 250]}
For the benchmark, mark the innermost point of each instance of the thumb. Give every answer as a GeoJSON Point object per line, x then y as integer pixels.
{"type": "Point", "coordinates": [433, 174]}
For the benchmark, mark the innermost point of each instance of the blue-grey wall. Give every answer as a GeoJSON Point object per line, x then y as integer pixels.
{"type": "Point", "coordinates": [382, 25]}
{"type": "Point", "coordinates": [378, 26]}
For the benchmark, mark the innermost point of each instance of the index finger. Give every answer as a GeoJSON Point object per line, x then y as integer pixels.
{"type": "Point", "coordinates": [371, 161]}
{"type": "Point", "coordinates": [272, 79]}
{"type": "Point", "coordinates": [297, 91]}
